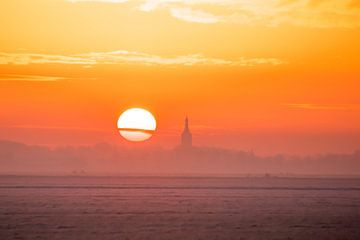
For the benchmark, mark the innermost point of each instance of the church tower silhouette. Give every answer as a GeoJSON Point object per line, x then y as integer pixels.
{"type": "Point", "coordinates": [186, 137]}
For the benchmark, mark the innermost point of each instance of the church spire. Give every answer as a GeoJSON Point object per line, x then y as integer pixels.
{"type": "Point", "coordinates": [186, 137]}
{"type": "Point", "coordinates": [186, 123]}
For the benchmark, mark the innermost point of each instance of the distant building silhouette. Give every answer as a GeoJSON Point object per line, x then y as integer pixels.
{"type": "Point", "coordinates": [186, 137]}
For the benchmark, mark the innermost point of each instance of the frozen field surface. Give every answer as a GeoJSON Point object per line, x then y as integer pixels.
{"type": "Point", "coordinates": [178, 208]}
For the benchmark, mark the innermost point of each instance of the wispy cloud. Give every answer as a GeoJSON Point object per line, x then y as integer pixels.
{"type": "Point", "coordinates": [101, 1]}
{"type": "Point", "coordinates": [30, 78]}
{"type": "Point", "coordinates": [190, 15]}
{"type": "Point", "coordinates": [310, 106]}
{"type": "Point", "coordinates": [307, 13]}
{"type": "Point", "coordinates": [36, 58]}
{"type": "Point", "coordinates": [126, 57]}
{"type": "Point", "coordinates": [150, 5]}
{"type": "Point", "coordinates": [65, 128]}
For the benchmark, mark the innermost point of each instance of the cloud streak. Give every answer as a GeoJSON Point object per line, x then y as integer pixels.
{"type": "Point", "coordinates": [30, 78]}
{"type": "Point", "coordinates": [197, 16]}
{"type": "Point", "coordinates": [310, 106]}
{"type": "Point", "coordinates": [126, 57]}
{"type": "Point", "coordinates": [100, 1]}
{"type": "Point", "coordinates": [65, 128]}
{"type": "Point", "coordinates": [304, 13]}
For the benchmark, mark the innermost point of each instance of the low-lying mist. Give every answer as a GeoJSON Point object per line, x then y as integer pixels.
{"type": "Point", "coordinates": [18, 158]}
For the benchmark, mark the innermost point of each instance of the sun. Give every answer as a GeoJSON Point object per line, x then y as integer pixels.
{"type": "Point", "coordinates": [136, 124]}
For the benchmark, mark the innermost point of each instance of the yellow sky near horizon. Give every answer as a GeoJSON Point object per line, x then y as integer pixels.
{"type": "Point", "coordinates": [287, 69]}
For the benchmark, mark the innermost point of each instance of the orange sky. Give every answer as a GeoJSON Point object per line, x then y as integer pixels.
{"type": "Point", "coordinates": [274, 76]}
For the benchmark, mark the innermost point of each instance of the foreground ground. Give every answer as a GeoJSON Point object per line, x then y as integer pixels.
{"type": "Point", "coordinates": [178, 208]}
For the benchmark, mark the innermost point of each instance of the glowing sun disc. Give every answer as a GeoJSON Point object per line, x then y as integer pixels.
{"type": "Point", "coordinates": [136, 124]}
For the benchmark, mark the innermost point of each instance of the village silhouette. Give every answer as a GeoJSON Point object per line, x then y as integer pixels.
{"type": "Point", "coordinates": [185, 158]}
